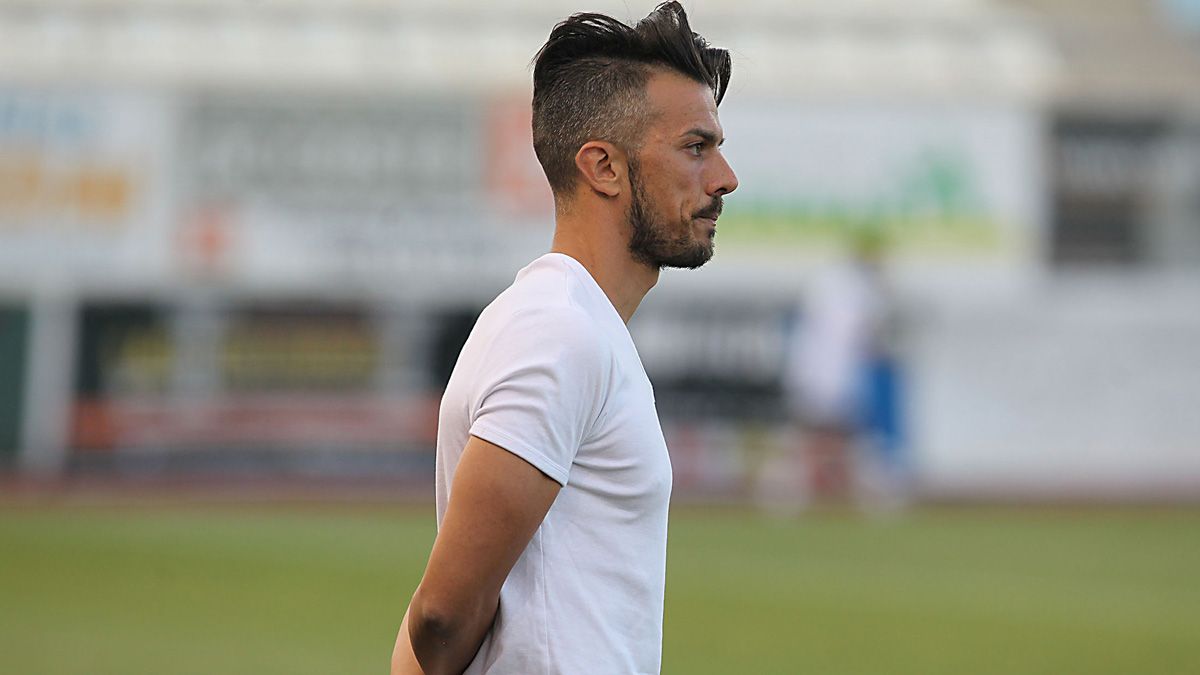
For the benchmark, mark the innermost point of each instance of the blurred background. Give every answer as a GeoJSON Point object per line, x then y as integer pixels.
{"type": "Point", "coordinates": [242, 241]}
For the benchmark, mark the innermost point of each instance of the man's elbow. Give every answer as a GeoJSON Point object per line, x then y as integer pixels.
{"type": "Point", "coordinates": [434, 625]}
{"type": "Point", "coordinates": [444, 633]}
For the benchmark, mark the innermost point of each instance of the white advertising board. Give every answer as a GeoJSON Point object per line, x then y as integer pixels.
{"type": "Point", "coordinates": [339, 191]}
{"type": "Point", "coordinates": [84, 186]}
{"type": "Point", "coordinates": [956, 191]}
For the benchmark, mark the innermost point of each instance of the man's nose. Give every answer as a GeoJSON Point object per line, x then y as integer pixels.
{"type": "Point", "coordinates": [724, 180]}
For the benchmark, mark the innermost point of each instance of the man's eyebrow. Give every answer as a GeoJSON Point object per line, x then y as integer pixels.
{"type": "Point", "coordinates": [705, 134]}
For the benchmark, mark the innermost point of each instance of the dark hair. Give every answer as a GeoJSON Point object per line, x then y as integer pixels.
{"type": "Point", "coordinates": [589, 81]}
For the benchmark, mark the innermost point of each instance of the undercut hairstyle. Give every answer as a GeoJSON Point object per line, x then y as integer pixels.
{"type": "Point", "coordinates": [589, 82]}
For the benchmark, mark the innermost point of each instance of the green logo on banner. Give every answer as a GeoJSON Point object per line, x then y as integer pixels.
{"type": "Point", "coordinates": [933, 207]}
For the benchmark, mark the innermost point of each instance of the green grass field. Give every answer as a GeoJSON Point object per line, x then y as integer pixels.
{"type": "Point", "coordinates": [320, 590]}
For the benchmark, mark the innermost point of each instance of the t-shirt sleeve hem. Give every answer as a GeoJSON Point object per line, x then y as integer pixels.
{"type": "Point", "coordinates": [539, 461]}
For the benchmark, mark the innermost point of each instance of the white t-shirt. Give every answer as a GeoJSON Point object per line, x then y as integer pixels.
{"type": "Point", "coordinates": [551, 374]}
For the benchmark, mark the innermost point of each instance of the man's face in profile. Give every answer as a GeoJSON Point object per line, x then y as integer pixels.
{"type": "Point", "coordinates": [678, 176]}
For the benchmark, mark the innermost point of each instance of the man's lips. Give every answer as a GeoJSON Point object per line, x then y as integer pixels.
{"type": "Point", "coordinates": [711, 213]}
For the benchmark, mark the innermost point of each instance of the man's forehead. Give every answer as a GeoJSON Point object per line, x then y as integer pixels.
{"type": "Point", "coordinates": [679, 104]}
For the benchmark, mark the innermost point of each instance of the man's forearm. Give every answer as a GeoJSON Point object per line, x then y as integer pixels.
{"type": "Point", "coordinates": [499, 501]}
{"type": "Point", "coordinates": [404, 661]}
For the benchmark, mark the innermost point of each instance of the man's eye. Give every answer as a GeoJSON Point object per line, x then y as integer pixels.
{"type": "Point", "coordinates": [696, 148]}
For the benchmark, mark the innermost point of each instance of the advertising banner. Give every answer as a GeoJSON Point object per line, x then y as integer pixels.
{"type": "Point", "coordinates": [941, 184]}
{"type": "Point", "coordinates": [157, 381]}
{"type": "Point", "coordinates": [84, 180]}
{"type": "Point", "coordinates": [1105, 174]}
{"type": "Point", "coordinates": [308, 189]}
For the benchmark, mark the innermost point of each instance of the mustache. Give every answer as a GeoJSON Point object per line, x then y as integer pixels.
{"type": "Point", "coordinates": [713, 210]}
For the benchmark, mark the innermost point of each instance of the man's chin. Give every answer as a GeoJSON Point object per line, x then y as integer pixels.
{"type": "Point", "coordinates": [690, 260]}
{"type": "Point", "coordinates": [688, 251]}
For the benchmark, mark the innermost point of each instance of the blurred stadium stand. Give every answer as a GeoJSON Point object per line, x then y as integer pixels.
{"type": "Point", "coordinates": [247, 237]}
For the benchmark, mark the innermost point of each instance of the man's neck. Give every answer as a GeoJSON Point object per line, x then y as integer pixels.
{"type": "Point", "coordinates": [606, 257]}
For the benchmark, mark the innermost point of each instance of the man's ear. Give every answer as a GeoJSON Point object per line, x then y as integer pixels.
{"type": "Point", "coordinates": [601, 167]}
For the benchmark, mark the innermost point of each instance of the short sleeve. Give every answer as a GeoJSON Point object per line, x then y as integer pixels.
{"type": "Point", "coordinates": [542, 386]}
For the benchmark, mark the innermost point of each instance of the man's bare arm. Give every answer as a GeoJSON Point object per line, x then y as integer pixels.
{"type": "Point", "coordinates": [404, 661]}
{"type": "Point", "coordinates": [497, 501]}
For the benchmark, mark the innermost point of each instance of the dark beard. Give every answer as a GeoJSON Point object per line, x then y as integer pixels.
{"type": "Point", "coordinates": [650, 242]}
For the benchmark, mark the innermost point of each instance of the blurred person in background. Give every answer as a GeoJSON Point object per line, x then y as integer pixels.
{"type": "Point", "coordinates": [553, 478]}
{"type": "Point", "coordinates": [842, 385]}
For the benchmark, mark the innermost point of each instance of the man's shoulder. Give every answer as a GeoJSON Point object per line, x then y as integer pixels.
{"type": "Point", "coordinates": [543, 293]}
{"type": "Point", "coordinates": [539, 317]}
{"type": "Point", "coordinates": [542, 324]}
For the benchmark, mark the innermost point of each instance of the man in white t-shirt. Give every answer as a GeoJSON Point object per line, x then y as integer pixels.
{"type": "Point", "coordinates": [553, 479]}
